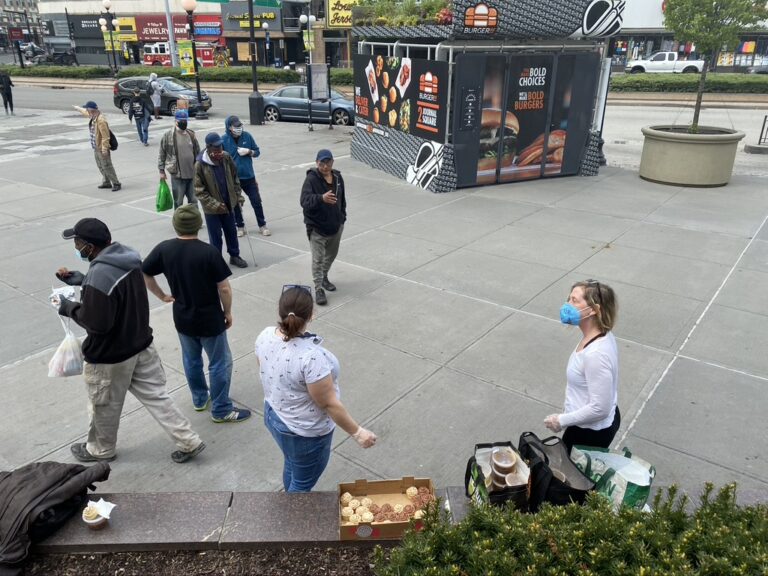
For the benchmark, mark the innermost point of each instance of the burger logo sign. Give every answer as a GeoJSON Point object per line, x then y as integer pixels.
{"type": "Point", "coordinates": [481, 19]}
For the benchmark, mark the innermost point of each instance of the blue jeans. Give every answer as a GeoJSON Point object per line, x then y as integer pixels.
{"type": "Point", "coordinates": [218, 223]}
{"type": "Point", "coordinates": [305, 457]}
{"type": "Point", "coordinates": [219, 370]}
{"type": "Point", "coordinates": [251, 189]}
{"type": "Point", "coordinates": [142, 127]}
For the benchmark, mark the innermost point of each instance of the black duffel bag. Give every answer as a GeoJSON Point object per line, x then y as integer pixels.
{"type": "Point", "coordinates": [554, 477]}
{"type": "Point", "coordinates": [474, 480]}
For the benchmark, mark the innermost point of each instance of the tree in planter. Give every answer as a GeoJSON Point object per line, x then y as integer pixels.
{"type": "Point", "coordinates": [711, 25]}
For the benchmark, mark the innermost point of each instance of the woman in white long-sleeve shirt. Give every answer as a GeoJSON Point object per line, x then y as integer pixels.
{"type": "Point", "coordinates": [591, 414]}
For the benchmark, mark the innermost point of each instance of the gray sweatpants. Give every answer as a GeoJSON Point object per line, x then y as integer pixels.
{"type": "Point", "coordinates": [104, 163]}
{"type": "Point", "coordinates": [143, 376]}
{"type": "Point", "coordinates": [324, 251]}
{"type": "Point", "coordinates": [183, 188]}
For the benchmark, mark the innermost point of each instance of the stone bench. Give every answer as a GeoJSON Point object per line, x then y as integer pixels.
{"type": "Point", "coordinates": [200, 521]}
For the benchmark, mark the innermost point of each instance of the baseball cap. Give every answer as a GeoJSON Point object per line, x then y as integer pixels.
{"type": "Point", "coordinates": [235, 121]}
{"type": "Point", "coordinates": [91, 230]}
{"type": "Point", "coordinates": [213, 139]}
{"type": "Point", "coordinates": [324, 154]}
{"type": "Point", "coordinates": [91, 104]}
{"type": "Point", "coordinates": [181, 115]}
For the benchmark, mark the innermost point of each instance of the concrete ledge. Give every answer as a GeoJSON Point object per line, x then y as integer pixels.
{"type": "Point", "coordinates": [756, 148]}
{"type": "Point", "coordinates": [146, 522]}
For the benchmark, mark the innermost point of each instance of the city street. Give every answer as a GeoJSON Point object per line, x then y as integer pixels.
{"type": "Point", "coordinates": [446, 318]}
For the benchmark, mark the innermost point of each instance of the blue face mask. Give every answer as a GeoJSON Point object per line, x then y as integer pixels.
{"type": "Point", "coordinates": [569, 314]}
{"type": "Point", "coordinates": [80, 256]}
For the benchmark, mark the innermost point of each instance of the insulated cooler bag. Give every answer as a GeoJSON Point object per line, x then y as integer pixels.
{"type": "Point", "coordinates": [474, 479]}
{"type": "Point", "coordinates": [554, 478]}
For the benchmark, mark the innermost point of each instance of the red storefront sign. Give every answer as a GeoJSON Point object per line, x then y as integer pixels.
{"type": "Point", "coordinates": [207, 27]}
{"type": "Point", "coordinates": [16, 34]}
{"type": "Point", "coordinates": [154, 27]}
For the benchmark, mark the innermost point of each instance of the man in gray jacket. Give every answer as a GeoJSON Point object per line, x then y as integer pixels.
{"type": "Point", "coordinates": [178, 150]}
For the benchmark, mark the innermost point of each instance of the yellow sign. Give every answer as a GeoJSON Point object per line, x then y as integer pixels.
{"type": "Point", "coordinates": [115, 45]}
{"type": "Point", "coordinates": [340, 13]}
{"type": "Point", "coordinates": [127, 29]}
{"type": "Point", "coordinates": [309, 40]}
{"type": "Point", "coordinates": [186, 57]}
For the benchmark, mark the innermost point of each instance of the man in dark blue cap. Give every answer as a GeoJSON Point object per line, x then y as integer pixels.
{"type": "Point", "coordinates": [325, 210]}
{"type": "Point", "coordinates": [99, 130]}
{"type": "Point", "coordinates": [217, 187]}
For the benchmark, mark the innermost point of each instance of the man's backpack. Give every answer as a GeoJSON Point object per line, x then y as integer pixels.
{"type": "Point", "coordinates": [112, 141]}
{"type": "Point", "coordinates": [150, 89]}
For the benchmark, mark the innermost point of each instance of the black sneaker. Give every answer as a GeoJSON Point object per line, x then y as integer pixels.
{"type": "Point", "coordinates": [81, 453]}
{"type": "Point", "coordinates": [116, 187]}
{"type": "Point", "coordinates": [237, 261]}
{"type": "Point", "coordinates": [180, 457]}
{"type": "Point", "coordinates": [320, 297]}
{"type": "Point", "coordinates": [104, 186]}
{"type": "Point", "coordinates": [328, 285]}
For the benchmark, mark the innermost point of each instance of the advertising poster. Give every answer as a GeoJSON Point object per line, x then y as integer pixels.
{"type": "Point", "coordinates": [186, 57]}
{"type": "Point", "coordinates": [526, 112]}
{"type": "Point", "coordinates": [404, 94]}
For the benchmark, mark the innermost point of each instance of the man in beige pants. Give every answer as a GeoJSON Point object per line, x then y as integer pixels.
{"type": "Point", "coordinates": [118, 350]}
{"type": "Point", "coordinates": [98, 127]}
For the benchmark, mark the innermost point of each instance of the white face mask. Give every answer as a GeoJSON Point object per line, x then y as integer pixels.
{"type": "Point", "coordinates": [237, 131]}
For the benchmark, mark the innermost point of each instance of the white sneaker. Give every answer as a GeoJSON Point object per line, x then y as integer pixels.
{"type": "Point", "coordinates": [265, 231]}
{"type": "Point", "coordinates": [240, 232]}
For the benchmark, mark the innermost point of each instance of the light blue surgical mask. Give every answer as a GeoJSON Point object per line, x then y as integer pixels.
{"type": "Point", "coordinates": [237, 131]}
{"type": "Point", "coordinates": [569, 314]}
{"type": "Point", "coordinates": [80, 256]}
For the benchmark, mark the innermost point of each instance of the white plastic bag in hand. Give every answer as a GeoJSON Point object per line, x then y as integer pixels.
{"type": "Point", "coordinates": [68, 358]}
{"type": "Point", "coordinates": [243, 151]}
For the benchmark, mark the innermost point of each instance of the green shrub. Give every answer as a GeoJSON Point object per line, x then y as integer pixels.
{"type": "Point", "coordinates": [78, 72]}
{"type": "Point", "coordinates": [231, 74]}
{"type": "Point", "coordinates": [718, 539]}
{"type": "Point", "coordinates": [732, 83]}
{"type": "Point", "coordinates": [342, 76]}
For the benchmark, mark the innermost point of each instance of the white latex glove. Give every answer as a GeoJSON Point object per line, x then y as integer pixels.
{"type": "Point", "coordinates": [243, 151]}
{"type": "Point", "coordinates": [364, 437]}
{"type": "Point", "coordinates": [553, 423]}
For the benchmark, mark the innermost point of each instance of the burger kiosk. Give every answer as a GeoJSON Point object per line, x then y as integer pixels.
{"type": "Point", "coordinates": [508, 90]}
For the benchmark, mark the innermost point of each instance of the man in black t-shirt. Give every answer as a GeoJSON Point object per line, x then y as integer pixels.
{"type": "Point", "coordinates": [202, 311]}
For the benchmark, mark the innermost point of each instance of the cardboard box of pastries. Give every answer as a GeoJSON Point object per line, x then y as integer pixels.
{"type": "Point", "coordinates": [382, 509]}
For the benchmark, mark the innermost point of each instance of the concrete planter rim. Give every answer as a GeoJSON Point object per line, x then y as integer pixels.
{"type": "Point", "coordinates": [720, 136]}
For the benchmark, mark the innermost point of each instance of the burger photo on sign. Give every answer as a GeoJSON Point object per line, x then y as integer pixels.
{"type": "Point", "coordinates": [404, 77]}
{"type": "Point", "coordinates": [370, 74]}
{"type": "Point", "coordinates": [494, 128]}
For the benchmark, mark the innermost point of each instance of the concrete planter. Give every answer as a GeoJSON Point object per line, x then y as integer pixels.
{"type": "Point", "coordinates": [673, 156]}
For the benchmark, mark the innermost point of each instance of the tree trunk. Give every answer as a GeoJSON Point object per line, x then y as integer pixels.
{"type": "Point", "coordinates": [699, 95]}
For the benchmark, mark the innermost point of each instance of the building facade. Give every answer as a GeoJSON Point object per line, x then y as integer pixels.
{"type": "Point", "coordinates": [20, 20]}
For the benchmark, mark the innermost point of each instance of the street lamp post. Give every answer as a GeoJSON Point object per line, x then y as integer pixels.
{"type": "Point", "coordinates": [110, 23]}
{"type": "Point", "coordinates": [255, 100]}
{"type": "Point", "coordinates": [309, 19]}
{"type": "Point", "coordinates": [189, 7]}
{"type": "Point", "coordinates": [265, 27]}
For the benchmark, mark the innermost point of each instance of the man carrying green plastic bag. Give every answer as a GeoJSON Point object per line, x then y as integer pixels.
{"type": "Point", "coordinates": [164, 199]}
{"type": "Point", "coordinates": [622, 478]}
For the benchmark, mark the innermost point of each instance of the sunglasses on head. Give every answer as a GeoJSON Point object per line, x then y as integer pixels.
{"type": "Point", "coordinates": [597, 285]}
{"type": "Point", "coordinates": [299, 286]}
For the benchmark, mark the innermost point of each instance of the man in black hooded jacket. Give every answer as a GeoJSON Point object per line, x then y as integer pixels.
{"type": "Point", "coordinates": [325, 210]}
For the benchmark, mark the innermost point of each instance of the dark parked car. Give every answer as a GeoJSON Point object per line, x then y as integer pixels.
{"type": "Point", "coordinates": [290, 103]}
{"type": "Point", "coordinates": [173, 90]}
{"type": "Point", "coordinates": [758, 69]}
{"type": "Point", "coordinates": [56, 59]}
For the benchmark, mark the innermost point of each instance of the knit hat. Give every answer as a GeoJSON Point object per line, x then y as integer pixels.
{"type": "Point", "coordinates": [187, 220]}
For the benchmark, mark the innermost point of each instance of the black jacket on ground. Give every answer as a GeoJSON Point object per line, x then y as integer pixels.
{"type": "Point", "coordinates": [325, 219]}
{"type": "Point", "coordinates": [113, 307]}
{"type": "Point", "coordinates": [36, 500]}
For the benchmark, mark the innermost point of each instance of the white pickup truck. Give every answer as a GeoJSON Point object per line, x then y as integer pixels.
{"type": "Point", "coordinates": [664, 62]}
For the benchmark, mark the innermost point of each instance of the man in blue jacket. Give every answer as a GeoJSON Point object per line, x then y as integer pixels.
{"type": "Point", "coordinates": [243, 149]}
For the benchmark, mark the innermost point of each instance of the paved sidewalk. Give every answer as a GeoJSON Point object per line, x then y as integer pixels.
{"type": "Point", "coordinates": [445, 321]}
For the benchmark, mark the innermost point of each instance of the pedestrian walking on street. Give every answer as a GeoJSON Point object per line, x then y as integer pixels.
{"type": "Point", "coordinates": [178, 150]}
{"type": "Point", "coordinates": [202, 311]}
{"type": "Point", "coordinates": [119, 354]}
{"type": "Point", "coordinates": [243, 149]}
{"type": "Point", "coordinates": [218, 190]}
{"type": "Point", "coordinates": [140, 112]}
{"type": "Point", "coordinates": [99, 131]}
{"type": "Point", "coordinates": [5, 91]}
{"type": "Point", "coordinates": [155, 93]}
{"type": "Point", "coordinates": [591, 414]}
{"type": "Point", "coordinates": [302, 404]}
{"type": "Point", "coordinates": [325, 210]}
